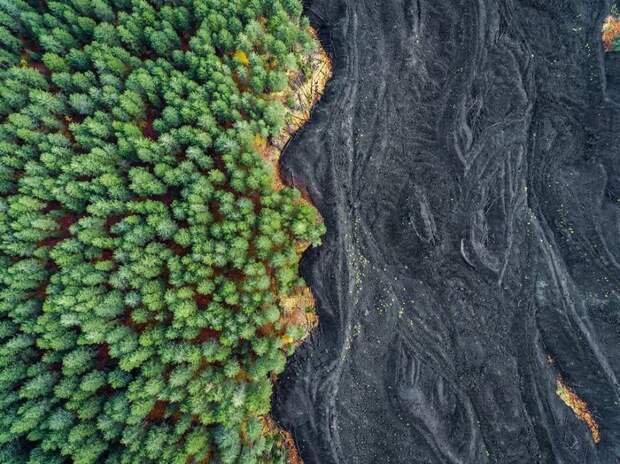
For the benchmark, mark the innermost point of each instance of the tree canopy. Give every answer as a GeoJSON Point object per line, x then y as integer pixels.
{"type": "Point", "coordinates": [144, 249]}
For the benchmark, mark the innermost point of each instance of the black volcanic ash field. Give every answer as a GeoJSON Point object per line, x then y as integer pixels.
{"type": "Point", "coordinates": [466, 161]}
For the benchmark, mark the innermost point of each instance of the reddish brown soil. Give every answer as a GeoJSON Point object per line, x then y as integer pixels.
{"type": "Point", "coordinates": [103, 356]}
{"type": "Point", "coordinates": [205, 335]}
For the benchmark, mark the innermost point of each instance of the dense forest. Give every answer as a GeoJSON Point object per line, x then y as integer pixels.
{"type": "Point", "coordinates": [144, 248]}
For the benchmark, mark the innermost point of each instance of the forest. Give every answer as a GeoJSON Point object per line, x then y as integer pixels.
{"type": "Point", "coordinates": [144, 248]}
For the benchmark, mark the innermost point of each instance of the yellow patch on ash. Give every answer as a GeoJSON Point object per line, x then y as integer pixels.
{"type": "Point", "coordinates": [578, 406]}
{"type": "Point", "coordinates": [611, 30]}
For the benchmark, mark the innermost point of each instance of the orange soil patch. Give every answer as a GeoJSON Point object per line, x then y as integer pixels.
{"type": "Point", "coordinates": [270, 427]}
{"type": "Point", "coordinates": [578, 406]}
{"type": "Point", "coordinates": [611, 30]}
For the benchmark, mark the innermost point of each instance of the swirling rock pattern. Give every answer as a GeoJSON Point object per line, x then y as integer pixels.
{"type": "Point", "coordinates": [466, 160]}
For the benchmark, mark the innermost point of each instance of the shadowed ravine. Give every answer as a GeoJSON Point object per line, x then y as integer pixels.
{"type": "Point", "coordinates": [465, 158]}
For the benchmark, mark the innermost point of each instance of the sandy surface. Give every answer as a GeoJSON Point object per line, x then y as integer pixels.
{"type": "Point", "coordinates": [466, 159]}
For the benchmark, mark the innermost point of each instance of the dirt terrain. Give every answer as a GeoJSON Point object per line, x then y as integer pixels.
{"type": "Point", "coordinates": [466, 160]}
